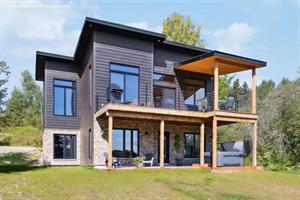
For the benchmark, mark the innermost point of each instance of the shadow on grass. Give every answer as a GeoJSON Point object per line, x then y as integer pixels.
{"type": "Point", "coordinates": [17, 168]}
{"type": "Point", "coordinates": [17, 162]}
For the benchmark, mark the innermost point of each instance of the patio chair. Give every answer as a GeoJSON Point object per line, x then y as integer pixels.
{"type": "Point", "coordinates": [148, 159]}
{"type": "Point", "coordinates": [202, 104]}
{"type": "Point", "coordinates": [229, 103]}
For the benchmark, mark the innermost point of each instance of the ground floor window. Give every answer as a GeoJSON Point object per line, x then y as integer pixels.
{"type": "Point", "coordinates": [90, 143]}
{"type": "Point", "coordinates": [192, 146]}
{"type": "Point", "coordinates": [64, 146]}
{"type": "Point", "coordinates": [125, 143]}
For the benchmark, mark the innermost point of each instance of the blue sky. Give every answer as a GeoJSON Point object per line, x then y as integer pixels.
{"type": "Point", "coordinates": [266, 30]}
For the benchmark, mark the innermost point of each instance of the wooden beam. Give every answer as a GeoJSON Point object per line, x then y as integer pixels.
{"type": "Point", "coordinates": [216, 87]}
{"type": "Point", "coordinates": [230, 119]}
{"type": "Point", "coordinates": [161, 147]}
{"type": "Point", "coordinates": [202, 145]}
{"type": "Point", "coordinates": [254, 141]}
{"type": "Point", "coordinates": [214, 144]}
{"type": "Point", "coordinates": [110, 127]}
{"type": "Point", "coordinates": [150, 116]}
{"type": "Point", "coordinates": [162, 142]}
{"type": "Point", "coordinates": [254, 91]}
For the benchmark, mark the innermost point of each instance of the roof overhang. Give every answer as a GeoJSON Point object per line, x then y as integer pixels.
{"type": "Point", "coordinates": [227, 63]}
{"type": "Point", "coordinates": [41, 57]}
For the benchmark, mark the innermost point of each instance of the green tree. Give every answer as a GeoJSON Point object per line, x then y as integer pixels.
{"type": "Point", "coordinates": [15, 108]}
{"type": "Point", "coordinates": [265, 88]}
{"type": "Point", "coordinates": [179, 28]}
{"type": "Point", "coordinates": [224, 87]}
{"type": "Point", "coordinates": [25, 106]}
{"type": "Point", "coordinates": [4, 75]}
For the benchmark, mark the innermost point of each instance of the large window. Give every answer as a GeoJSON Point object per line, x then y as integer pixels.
{"type": "Point", "coordinates": [124, 84]}
{"type": "Point", "coordinates": [193, 91]}
{"type": "Point", "coordinates": [125, 143]}
{"type": "Point", "coordinates": [64, 146]}
{"type": "Point", "coordinates": [192, 146]}
{"type": "Point", "coordinates": [64, 97]}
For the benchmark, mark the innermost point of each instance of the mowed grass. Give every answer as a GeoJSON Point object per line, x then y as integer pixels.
{"type": "Point", "coordinates": [87, 183]}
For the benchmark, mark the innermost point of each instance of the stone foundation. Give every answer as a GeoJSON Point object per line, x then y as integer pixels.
{"type": "Point", "coordinates": [148, 138]}
{"type": "Point", "coordinates": [48, 147]}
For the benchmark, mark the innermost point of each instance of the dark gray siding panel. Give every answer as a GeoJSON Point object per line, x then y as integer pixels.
{"type": "Point", "coordinates": [106, 54]}
{"type": "Point", "coordinates": [165, 58]}
{"type": "Point", "coordinates": [122, 41]}
{"type": "Point", "coordinates": [57, 70]}
{"type": "Point", "coordinates": [87, 121]}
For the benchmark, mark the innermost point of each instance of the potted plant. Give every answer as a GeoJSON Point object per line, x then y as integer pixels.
{"type": "Point", "coordinates": [138, 161]}
{"type": "Point", "coordinates": [177, 149]}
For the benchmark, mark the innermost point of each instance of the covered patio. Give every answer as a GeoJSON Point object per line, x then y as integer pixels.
{"type": "Point", "coordinates": [160, 121]}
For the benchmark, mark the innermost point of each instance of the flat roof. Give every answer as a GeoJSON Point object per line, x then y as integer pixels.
{"type": "Point", "coordinates": [91, 24]}
{"type": "Point", "coordinates": [228, 63]}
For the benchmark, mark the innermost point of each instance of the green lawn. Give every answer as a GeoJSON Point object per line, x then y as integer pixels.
{"type": "Point", "coordinates": [87, 183]}
{"type": "Point", "coordinates": [21, 136]}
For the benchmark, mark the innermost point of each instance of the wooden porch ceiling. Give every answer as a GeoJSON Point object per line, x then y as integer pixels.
{"type": "Point", "coordinates": [173, 115]}
{"type": "Point", "coordinates": [227, 63]}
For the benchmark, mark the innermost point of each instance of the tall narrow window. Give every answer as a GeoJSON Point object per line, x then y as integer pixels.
{"type": "Point", "coordinates": [192, 145]}
{"type": "Point", "coordinates": [64, 146]}
{"type": "Point", "coordinates": [90, 86]}
{"type": "Point", "coordinates": [64, 97]}
{"type": "Point", "coordinates": [90, 143]}
{"type": "Point", "coordinates": [124, 84]}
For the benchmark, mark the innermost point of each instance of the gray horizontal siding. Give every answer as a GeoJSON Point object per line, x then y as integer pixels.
{"type": "Point", "coordinates": [57, 70]}
{"type": "Point", "coordinates": [106, 54]}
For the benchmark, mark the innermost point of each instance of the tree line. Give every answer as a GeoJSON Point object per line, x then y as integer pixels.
{"type": "Point", "coordinates": [24, 107]}
{"type": "Point", "coordinates": [278, 106]}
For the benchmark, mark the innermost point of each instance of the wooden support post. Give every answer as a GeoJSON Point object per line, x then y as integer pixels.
{"type": "Point", "coordinates": [254, 91]}
{"type": "Point", "coordinates": [214, 144]}
{"type": "Point", "coordinates": [202, 145]}
{"type": "Point", "coordinates": [254, 142]}
{"type": "Point", "coordinates": [216, 87]}
{"type": "Point", "coordinates": [162, 142]}
{"type": "Point", "coordinates": [110, 127]}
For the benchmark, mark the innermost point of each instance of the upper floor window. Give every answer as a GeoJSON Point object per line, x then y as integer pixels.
{"type": "Point", "coordinates": [193, 91]}
{"type": "Point", "coordinates": [163, 77]}
{"type": "Point", "coordinates": [64, 97]}
{"type": "Point", "coordinates": [124, 84]}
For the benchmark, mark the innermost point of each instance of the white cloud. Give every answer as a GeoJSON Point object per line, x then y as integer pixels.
{"type": "Point", "coordinates": [144, 25]}
{"type": "Point", "coordinates": [235, 38]}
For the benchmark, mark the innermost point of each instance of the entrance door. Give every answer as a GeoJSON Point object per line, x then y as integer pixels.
{"type": "Point", "coordinates": [166, 147]}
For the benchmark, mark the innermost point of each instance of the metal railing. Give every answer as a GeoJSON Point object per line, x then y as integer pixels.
{"type": "Point", "coordinates": [171, 98]}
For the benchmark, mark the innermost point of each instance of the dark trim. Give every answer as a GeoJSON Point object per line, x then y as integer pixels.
{"type": "Point", "coordinates": [90, 145]}
{"type": "Point", "coordinates": [125, 73]}
{"type": "Point", "coordinates": [75, 98]}
{"type": "Point", "coordinates": [131, 138]}
{"type": "Point", "coordinates": [64, 146]}
{"type": "Point", "coordinates": [223, 54]}
{"type": "Point", "coordinates": [194, 144]}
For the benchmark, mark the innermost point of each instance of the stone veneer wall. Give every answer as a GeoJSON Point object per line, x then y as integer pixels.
{"type": "Point", "coordinates": [48, 147]}
{"type": "Point", "coordinates": [148, 138]}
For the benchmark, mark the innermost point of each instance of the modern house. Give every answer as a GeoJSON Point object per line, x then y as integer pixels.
{"type": "Point", "coordinates": [128, 92]}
